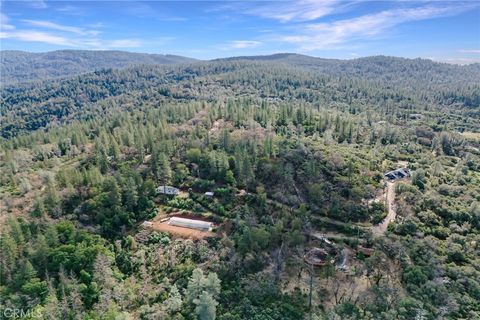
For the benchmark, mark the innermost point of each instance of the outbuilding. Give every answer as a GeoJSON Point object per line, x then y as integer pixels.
{"type": "Point", "coordinates": [168, 190]}
{"type": "Point", "coordinates": [209, 194]}
{"type": "Point", "coordinates": [190, 223]}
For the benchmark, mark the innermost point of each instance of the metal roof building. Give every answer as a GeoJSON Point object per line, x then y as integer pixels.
{"type": "Point", "coordinates": [190, 223]}
{"type": "Point", "coordinates": [398, 174]}
{"type": "Point", "coordinates": [168, 190]}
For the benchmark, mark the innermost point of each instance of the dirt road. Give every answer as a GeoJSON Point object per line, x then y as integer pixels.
{"type": "Point", "coordinates": [380, 228]}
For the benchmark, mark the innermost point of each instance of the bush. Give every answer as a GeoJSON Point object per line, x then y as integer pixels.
{"type": "Point", "coordinates": [377, 212]}
{"type": "Point", "coordinates": [407, 227]}
{"type": "Point", "coordinates": [414, 275]}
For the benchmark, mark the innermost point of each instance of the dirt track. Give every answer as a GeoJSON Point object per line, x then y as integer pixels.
{"type": "Point", "coordinates": [380, 228]}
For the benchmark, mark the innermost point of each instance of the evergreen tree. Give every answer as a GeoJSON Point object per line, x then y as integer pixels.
{"type": "Point", "coordinates": [38, 209]}
{"type": "Point", "coordinates": [195, 285]}
{"type": "Point", "coordinates": [174, 301]}
{"type": "Point", "coordinates": [206, 306]}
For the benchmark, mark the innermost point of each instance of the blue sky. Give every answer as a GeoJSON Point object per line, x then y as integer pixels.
{"type": "Point", "coordinates": [440, 30]}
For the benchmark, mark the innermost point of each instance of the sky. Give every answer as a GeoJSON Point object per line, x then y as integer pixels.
{"type": "Point", "coordinates": [447, 31]}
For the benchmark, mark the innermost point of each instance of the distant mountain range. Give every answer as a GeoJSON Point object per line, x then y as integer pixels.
{"type": "Point", "coordinates": [21, 66]}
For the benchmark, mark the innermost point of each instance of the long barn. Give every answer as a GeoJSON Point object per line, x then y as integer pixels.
{"type": "Point", "coordinates": [190, 223]}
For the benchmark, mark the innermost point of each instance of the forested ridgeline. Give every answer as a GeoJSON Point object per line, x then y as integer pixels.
{"type": "Point", "coordinates": [392, 87]}
{"type": "Point", "coordinates": [21, 66]}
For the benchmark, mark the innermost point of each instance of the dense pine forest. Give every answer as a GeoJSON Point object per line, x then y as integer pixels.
{"type": "Point", "coordinates": [283, 154]}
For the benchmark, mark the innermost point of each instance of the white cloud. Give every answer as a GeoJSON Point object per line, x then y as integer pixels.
{"type": "Point", "coordinates": [66, 36]}
{"type": "Point", "coordinates": [54, 26]}
{"type": "Point", "coordinates": [36, 36]}
{"type": "Point", "coordinates": [67, 8]}
{"type": "Point", "coordinates": [62, 35]}
{"type": "Point", "coordinates": [330, 35]}
{"type": "Point", "coordinates": [85, 43]}
{"type": "Point", "coordinates": [475, 51]}
{"type": "Point", "coordinates": [455, 60]}
{"type": "Point", "coordinates": [243, 44]}
{"type": "Point", "coordinates": [123, 43]}
{"type": "Point", "coordinates": [38, 4]}
{"type": "Point", "coordinates": [4, 23]}
{"type": "Point", "coordinates": [101, 44]}
{"type": "Point", "coordinates": [304, 10]}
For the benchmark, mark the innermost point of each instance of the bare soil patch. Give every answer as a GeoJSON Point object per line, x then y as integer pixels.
{"type": "Point", "coordinates": [180, 231]}
{"type": "Point", "coordinates": [471, 135]}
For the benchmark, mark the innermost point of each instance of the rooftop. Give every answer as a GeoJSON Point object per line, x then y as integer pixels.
{"type": "Point", "coordinates": [190, 223]}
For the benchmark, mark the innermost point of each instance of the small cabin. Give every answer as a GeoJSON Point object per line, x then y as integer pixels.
{"type": "Point", "coordinates": [190, 223]}
{"type": "Point", "coordinates": [168, 190]}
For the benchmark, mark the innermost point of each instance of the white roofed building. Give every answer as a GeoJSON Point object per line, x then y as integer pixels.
{"type": "Point", "coordinates": [190, 223]}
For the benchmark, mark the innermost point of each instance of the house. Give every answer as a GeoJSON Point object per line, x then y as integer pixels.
{"type": "Point", "coordinates": [168, 190]}
{"type": "Point", "coordinates": [398, 174]}
{"type": "Point", "coordinates": [190, 223]}
{"type": "Point", "coordinates": [209, 194]}
{"type": "Point", "coordinates": [390, 175]}
{"type": "Point", "coordinates": [402, 173]}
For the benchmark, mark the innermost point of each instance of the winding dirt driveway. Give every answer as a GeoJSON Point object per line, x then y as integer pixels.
{"type": "Point", "coordinates": [380, 228]}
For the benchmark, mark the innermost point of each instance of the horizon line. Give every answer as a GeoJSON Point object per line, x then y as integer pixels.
{"type": "Point", "coordinates": [439, 60]}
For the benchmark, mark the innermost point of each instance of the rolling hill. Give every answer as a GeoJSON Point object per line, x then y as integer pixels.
{"type": "Point", "coordinates": [20, 66]}
{"type": "Point", "coordinates": [382, 83]}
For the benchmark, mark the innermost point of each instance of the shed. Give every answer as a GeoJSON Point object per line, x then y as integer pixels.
{"type": "Point", "coordinates": [190, 223]}
{"type": "Point", "coordinates": [168, 190]}
{"type": "Point", "coordinates": [209, 194]}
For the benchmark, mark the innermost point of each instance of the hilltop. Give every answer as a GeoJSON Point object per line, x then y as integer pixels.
{"type": "Point", "coordinates": [21, 66]}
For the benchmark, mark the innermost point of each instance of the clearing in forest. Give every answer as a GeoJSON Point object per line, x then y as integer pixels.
{"type": "Point", "coordinates": [180, 231]}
